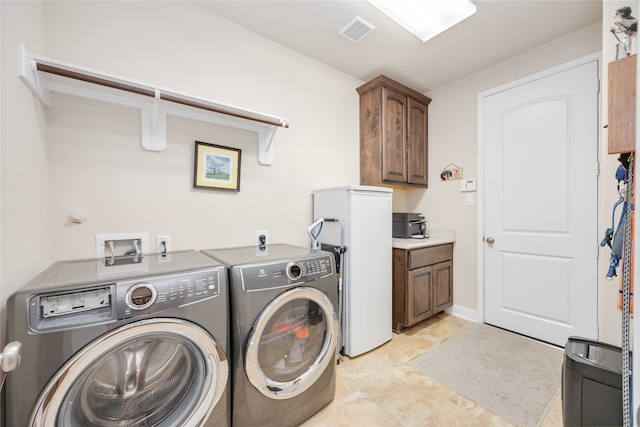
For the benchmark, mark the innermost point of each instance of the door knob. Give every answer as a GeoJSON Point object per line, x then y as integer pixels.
{"type": "Point", "coordinates": [490, 240]}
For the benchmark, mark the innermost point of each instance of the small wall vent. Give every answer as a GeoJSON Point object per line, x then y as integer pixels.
{"type": "Point", "coordinates": [356, 29]}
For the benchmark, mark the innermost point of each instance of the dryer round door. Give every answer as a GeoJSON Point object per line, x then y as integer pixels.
{"type": "Point", "coordinates": [292, 343]}
{"type": "Point", "coordinates": [154, 372]}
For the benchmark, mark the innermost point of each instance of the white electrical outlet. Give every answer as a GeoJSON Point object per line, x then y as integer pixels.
{"type": "Point", "coordinates": [163, 244]}
{"type": "Point", "coordinates": [261, 238]}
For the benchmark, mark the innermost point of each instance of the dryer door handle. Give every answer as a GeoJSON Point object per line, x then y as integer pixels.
{"type": "Point", "coordinates": [10, 356]}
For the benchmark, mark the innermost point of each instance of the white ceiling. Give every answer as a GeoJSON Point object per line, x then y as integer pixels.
{"type": "Point", "coordinates": [500, 29]}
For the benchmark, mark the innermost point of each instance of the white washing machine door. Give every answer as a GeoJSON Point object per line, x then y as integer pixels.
{"type": "Point", "coordinates": [292, 342]}
{"type": "Point", "coordinates": [154, 372]}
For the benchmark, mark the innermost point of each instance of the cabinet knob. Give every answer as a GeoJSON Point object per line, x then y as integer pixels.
{"type": "Point", "coordinates": [490, 240]}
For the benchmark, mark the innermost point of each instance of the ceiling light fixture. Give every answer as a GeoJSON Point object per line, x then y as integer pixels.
{"type": "Point", "coordinates": [426, 19]}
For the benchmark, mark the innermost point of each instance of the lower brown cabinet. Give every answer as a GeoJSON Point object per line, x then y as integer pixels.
{"type": "Point", "coordinates": [422, 284]}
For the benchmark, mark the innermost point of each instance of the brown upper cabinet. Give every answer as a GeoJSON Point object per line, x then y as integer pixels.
{"type": "Point", "coordinates": [393, 134]}
{"type": "Point", "coordinates": [622, 105]}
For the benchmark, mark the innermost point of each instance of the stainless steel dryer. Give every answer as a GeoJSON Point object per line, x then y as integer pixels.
{"type": "Point", "coordinates": [145, 348]}
{"type": "Point", "coordinates": [283, 331]}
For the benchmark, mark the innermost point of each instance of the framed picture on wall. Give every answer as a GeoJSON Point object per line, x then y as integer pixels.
{"type": "Point", "coordinates": [216, 167]}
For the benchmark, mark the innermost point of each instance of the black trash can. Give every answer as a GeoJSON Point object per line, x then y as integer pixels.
{"type": "Point", "coordinates": [592, 383]}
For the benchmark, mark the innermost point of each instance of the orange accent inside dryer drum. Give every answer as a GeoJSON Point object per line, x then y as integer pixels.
{"type": "Point", "coordinates": [302, 332]}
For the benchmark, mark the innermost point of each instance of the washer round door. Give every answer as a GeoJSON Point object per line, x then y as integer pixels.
{"type": "Point", "coordinates": [292, 342]}
{"type": "Point", "coordinates": [154, 372]}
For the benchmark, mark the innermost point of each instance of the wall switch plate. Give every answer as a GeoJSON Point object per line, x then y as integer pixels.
{"type": "Point", "coordinates": [468, 185]}
{"type": "Point", "coordinates": [469, 200]}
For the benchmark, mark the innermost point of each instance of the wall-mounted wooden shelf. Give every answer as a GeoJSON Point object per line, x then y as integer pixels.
{"type": "Point", "coordinates": [622, 105]}
{"type": "Point", "coordinates": [44, 75]}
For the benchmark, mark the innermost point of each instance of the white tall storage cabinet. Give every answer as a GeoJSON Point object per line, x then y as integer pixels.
{"type": "Point", "coordinates": [365, 213]}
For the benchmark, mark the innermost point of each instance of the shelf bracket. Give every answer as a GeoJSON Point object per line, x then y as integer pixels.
{"type": "Point", "coordinates": [28, 74]}
{"type": "Point", "coordinates": [265, 145]}
{"type": "Point", "coordinates": [156, 138]}
{"type": "Point", "coordinates": [43, 76]}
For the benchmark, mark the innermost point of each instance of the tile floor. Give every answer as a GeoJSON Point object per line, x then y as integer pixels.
{"type": "Point", "coordinates": [381, 388]}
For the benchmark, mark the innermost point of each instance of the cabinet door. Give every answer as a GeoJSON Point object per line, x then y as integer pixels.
{"type": "Point", "coordinates": [419, 284]}
{"type": "Point", "coordinates": [417, 142]}
{"type": "Point", "coordinates": [394, 136]}
{"type": "Point", "coordinates": [442, 285]}
{"type": "Point", "coordinates": [399, 310]}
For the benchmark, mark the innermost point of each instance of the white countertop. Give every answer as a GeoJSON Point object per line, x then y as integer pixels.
{"type": "Point", "coordinates": [436, 237]}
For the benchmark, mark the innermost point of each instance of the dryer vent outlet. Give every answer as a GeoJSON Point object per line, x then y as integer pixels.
{"type": "Point", "coordinates": [261, 238]}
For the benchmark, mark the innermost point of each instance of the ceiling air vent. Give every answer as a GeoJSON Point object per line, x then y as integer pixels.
{"type": "Point", "coordinates": [357, 29]}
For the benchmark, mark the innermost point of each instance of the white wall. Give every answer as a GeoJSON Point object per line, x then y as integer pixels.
{"type": "Point", "coordinates": [92, 159]}
{"type": "Point", "coordinates": [25, 229]}
{"type": "Point", "coordinates": [98, 166]}
{"type": "Point", "coordinates": [95, 159]}
{"type": "Point", "coordinates": [87, 155]}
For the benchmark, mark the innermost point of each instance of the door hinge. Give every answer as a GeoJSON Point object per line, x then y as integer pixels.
{"type": "Point", "coordinates": [597, 168]}
{"type": "Point", "coordinates": [598, 86]}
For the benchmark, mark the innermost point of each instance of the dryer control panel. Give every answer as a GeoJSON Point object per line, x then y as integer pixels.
{"type": "Point", "coordinates": [285, 273]}
{"type": "Point", "coordinates": [156, 294]}
{"type": "Point", "coordinates": [93, 304]}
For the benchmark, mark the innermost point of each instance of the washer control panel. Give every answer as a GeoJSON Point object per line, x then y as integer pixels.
{"type": "Point", "coordinates": [101, 303]}
{"type": "Point", "coordinates": [141, 297]}
{"type": "Point", "coordinates": [285, 273]}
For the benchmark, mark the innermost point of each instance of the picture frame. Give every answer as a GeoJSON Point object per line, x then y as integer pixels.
{"type": "Point", "coordinates": [216, 167]}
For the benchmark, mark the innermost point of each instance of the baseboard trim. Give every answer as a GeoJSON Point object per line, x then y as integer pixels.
{"type": "Point", "coordinates": [463, 312]}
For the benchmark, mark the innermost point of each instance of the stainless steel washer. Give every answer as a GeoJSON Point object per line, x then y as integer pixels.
{"type": "Point", "coordinates": [144, 348]}
{"type": "Point", "coordinates": [284, 332]}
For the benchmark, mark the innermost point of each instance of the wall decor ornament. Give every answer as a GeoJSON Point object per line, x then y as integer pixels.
{"type": "Point", "coordinates": [216, 167]}
{"type": "Point", "coordinates": [626, 25]}
{"type": "Point", "coordinates": [451, 172]}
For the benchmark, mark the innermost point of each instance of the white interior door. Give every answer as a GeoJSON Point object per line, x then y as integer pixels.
{"type": "Point", "coordinates": [540, 151]}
